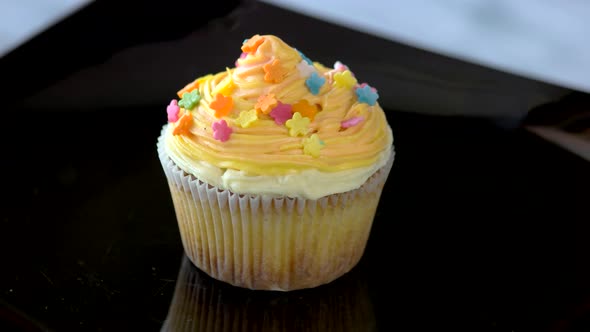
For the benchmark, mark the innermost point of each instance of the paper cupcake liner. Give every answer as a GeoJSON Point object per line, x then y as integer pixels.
{"type": "Point", "coordinates": [258, 242]}
{"type": "Point", "coordinates": [201, 303]}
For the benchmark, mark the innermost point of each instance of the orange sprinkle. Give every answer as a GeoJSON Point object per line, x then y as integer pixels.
{"type": "Point", "coordinates": [194, 85]}
{"type": "Point", "coordinates": [274, 72]}
{"type": "Point", "coordinates": [252, 44]}
{"type": "Point", "coordinates": [222, 105]}
{"type": "Point", "coordinates": [305, 109]}
{"type": "Point", "coordinates": [183, 126]}
{"type": "Point", "coordinates": [266, 103]}
{"type": "Point", "coordinates": [189, 87]}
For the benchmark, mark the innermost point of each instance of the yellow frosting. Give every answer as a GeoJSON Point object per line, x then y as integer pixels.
{"type": "Point", "coordinates": [258, 146]}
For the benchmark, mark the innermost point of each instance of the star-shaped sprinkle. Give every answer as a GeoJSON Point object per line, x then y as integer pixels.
{"type": "Point", "coordinates": [222, 105]}
{"type": "Point", "coordinates": [172, 111]}
{"type": "Point", "coordinates": [306, 59]}
{"type": "Point", "coordinates": [314, 83]}
{"type": "Point", "coordinates": [226, 86]}
{"type": "Point", "coordinates": [339, 66]}
{"type": "Point", "coordinates": [304, 108]}
{"type": "Point", "coordinates": [265, 103]}
{"type": "Point", "coordinates": [221, 131]}
{"type": "Point", "coordinates": [183, 126]}
{"type": "Point", "coordinates": [274, 72]}
{"type": "Point", "coordinates": [344, 79]}
{"type": "Point", "coordinates": [281, 113]}
{"type": "Point", "coordinates": [351, 122]}
{"type": "Point", "coordinates": [312, 145]}
{"type": "Point", "coordinates": [305, 69]}
{"type": "Point", "coordinates": [246, 118]}
{"type": "Point", "coordinates": [297, 125]}
{"type": "Point", "coordinates": [367, 95]}
{"type": "Point", "coordinates": [190, 100]}
{"type": "Point", "coordinates": [251, 45]}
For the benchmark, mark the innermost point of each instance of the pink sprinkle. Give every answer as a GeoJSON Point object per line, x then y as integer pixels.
{"type": "Point", "coordinates": [243, 55]}
{"type": "Point", "coordinates": [221, 131]}
{"type": "Point", "coordinates": [172, 111]}
{"type": "Point", "coordinates": [281, 113]}
{"type": "Point", "coordinates": [339, 66]}
{"type": "Point", "coordinates": [351, 122]}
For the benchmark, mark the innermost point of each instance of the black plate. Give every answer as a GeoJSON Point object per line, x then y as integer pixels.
{"type": "Point", "coordinates": [481, 225]}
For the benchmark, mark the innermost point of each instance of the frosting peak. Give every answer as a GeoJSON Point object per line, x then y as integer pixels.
{"type": "Point", "coordinates": [279, 114]}
{"type": "Point", "coordinates": [271, 61]}
{"type": "Point", "coordinates": [270, 67]}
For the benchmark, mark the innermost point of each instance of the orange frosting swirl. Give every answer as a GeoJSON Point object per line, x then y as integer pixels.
{"type": "Point", "coordinates": [260, 146]}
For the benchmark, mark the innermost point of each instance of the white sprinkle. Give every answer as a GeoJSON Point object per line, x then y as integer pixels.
{"type": "Point", "coordinates": [305, 69]}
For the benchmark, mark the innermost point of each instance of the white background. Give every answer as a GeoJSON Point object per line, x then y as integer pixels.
{"type": "Point", "coordinates": [547, 40]}
{"type": "Point", "coordinates": [542, 39]}
{"type": "Point", "coordinates": [21, 20]}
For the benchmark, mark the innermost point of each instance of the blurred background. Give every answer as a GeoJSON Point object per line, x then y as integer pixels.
{"type": "Point", "coordinates": [541, 41]}
{"type": "Point", "coordinates": [21, 21]}
{"type": "Point", "coordinates": [514, 55]}
{"type": "Point", "coordinates": [493, 59]}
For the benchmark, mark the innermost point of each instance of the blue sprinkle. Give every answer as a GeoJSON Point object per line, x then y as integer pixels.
{"type": "Point", "coordinates": [308, 60]}
{"type": "Point", "coordinates": [367, 95]}
{"type": "Point", "coordinates": [314, 83]}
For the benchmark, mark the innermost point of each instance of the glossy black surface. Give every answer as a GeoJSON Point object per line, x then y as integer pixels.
{"type": "Point", "coordinates": [480, 226]}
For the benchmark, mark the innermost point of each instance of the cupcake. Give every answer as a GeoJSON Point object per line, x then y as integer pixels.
{"type": "Point", "coordinates": [204, 304]}
{"type": "Point", "coordinates": [276, 168]}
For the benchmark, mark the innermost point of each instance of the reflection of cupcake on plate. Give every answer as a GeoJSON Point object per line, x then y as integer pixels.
{"type": "Point", "coordinates": [276, 168]}
{"type": "Point", "coordinates": [201, 303]}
